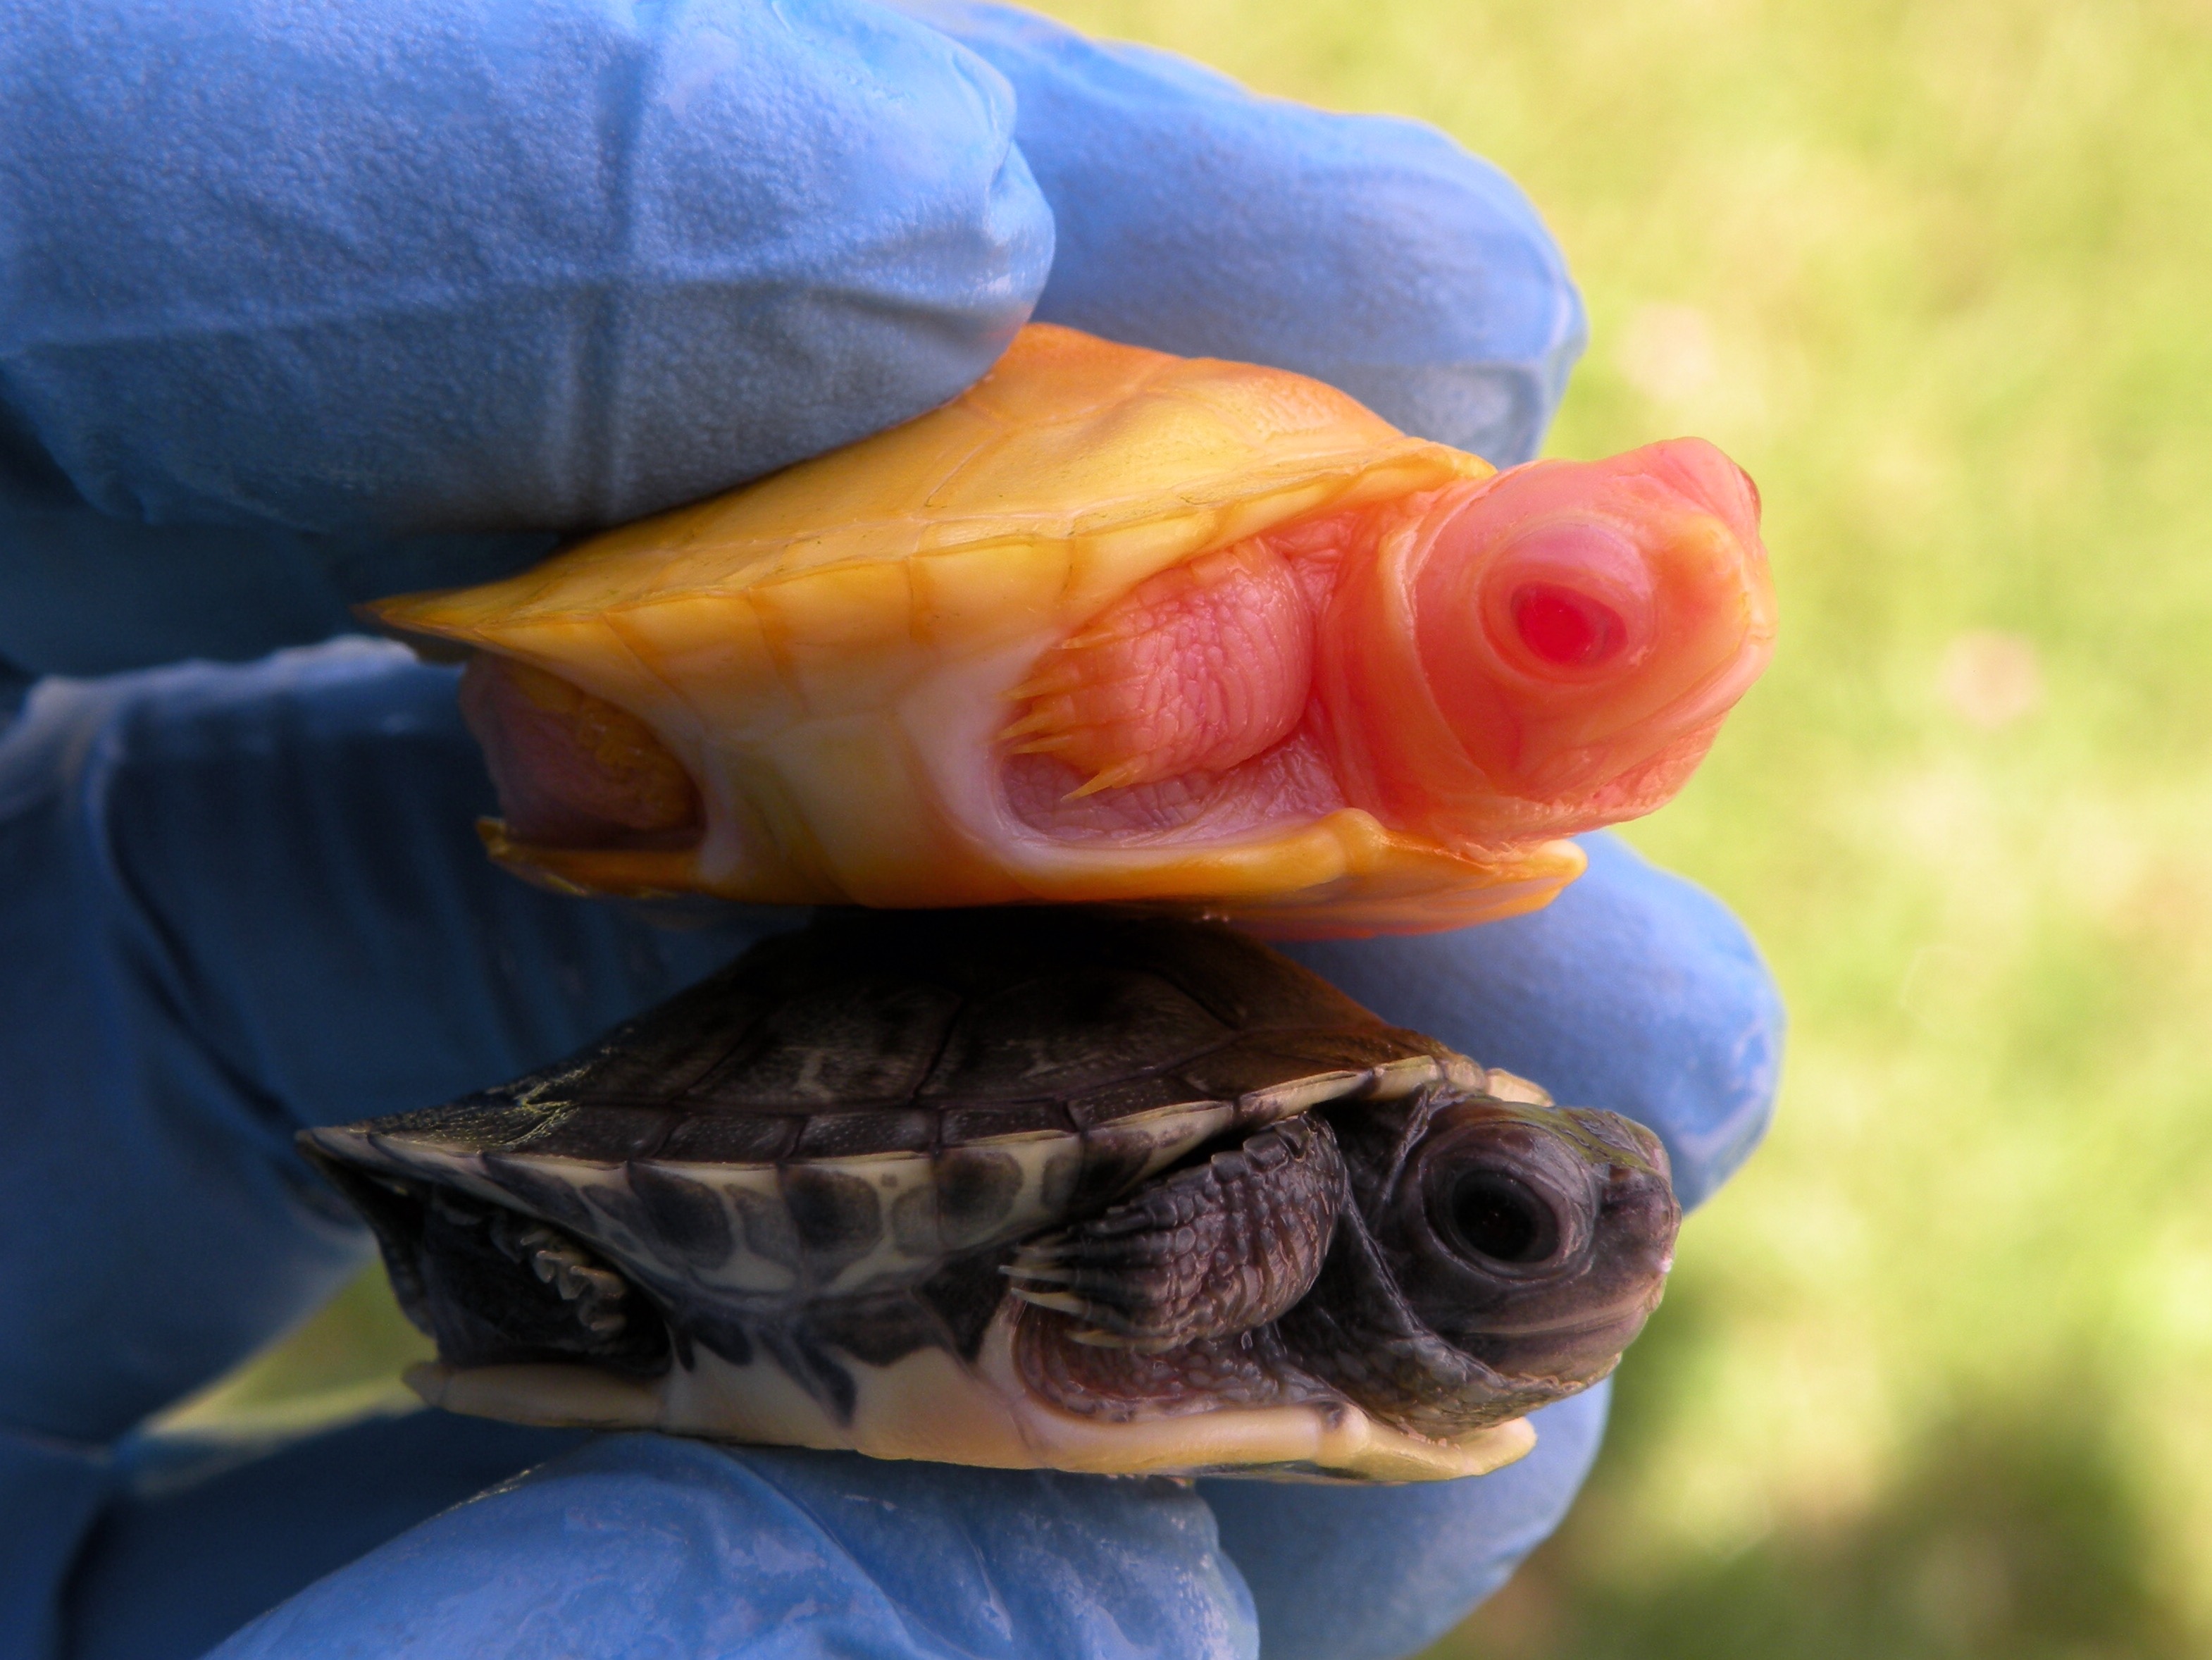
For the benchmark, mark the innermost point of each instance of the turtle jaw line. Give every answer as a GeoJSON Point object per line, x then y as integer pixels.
{"type": "Point", "coordinates": [1609, 1318]}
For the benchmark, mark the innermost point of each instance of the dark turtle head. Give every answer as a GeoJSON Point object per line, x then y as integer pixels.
{"type": "Point", "coordinates": [1535, 1239]}
{"type": "Point", "coordinates": [1503, 1256]}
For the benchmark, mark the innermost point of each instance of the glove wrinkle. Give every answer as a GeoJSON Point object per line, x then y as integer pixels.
{"type": "Point", "coordinates": [206, 1530]}
{"type": "Point", "coordinates": [52, 1492]}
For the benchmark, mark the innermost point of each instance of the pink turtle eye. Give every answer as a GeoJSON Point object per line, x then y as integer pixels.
{"type": "Point", "coordinates": [1564, 628]}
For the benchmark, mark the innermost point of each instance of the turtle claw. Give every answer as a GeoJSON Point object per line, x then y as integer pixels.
{"type": "Point", "coordinates": [1059, 1302]}
{"type": "Point", "coordinates": [1048, 1274]}
{"type": "Point", "coordinates": [597, 1291]}
{"type": "Point", "coordinates": [1091, 1335]}
{"type": "Point", "coordinates": [1031, 1279]}
{"type": "Point", "coordinates": [1040, 1266]}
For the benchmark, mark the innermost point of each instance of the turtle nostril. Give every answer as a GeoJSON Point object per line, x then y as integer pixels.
{"type": "Point", "coordinates": [1566, 628]}
{"type": "Point", "coordinates": [1500, 1218]}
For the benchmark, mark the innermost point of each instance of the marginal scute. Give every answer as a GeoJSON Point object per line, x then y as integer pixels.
{"type": "Point", "coordinates": [537, 1189]}
{"type": "Point", "coordinates": [854, 1135]}
{"type": "Point", "coordinates": [1248, 1068]}
{"type": "Point", "coordinates": [1061, 1184]}
{"type": "Point", "coordinates": [605, 1134]}
{"type": "Point", "coordinates": [771, 1232]}
{"type": "Point", "coordinates": [1508, 1086]}
{"type": "Point", "coordinates": [1137, 1095]}
{"type": "Point", "coordinates": [1115, 1157]}
{"type": "Point", "coordinates": [1394, 1079]}
{"type": "Point", "coordinates": [1355, 1049]}
{"type": "Point", "coordinates": [482, 1122]}
{"type": "Point", "coordinates": [733, 1138]}
{"type": "Point", "coordinates": [916, 1233]}
{"type": "Point", "coordinates": [1283, 1100]}
{"type": "Point", "coordinates": [967, 1126]}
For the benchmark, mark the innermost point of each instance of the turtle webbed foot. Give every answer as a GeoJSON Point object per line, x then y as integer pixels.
{"type": "Point", "coordinates": [1206, 1251]}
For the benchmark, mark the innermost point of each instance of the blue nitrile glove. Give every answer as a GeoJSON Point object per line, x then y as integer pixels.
{"type": "Point", "coordinates": [308, 303]}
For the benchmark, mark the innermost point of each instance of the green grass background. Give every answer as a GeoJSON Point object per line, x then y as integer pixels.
{"type": "Point", "coordinates": [1934, 1376]}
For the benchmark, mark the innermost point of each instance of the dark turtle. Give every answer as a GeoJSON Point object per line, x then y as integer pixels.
{"type": "Point", "coordinates": [1021, 1188]}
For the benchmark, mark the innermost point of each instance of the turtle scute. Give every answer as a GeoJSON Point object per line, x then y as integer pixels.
{"type": "Point", "coordinates": [1021, 1187]}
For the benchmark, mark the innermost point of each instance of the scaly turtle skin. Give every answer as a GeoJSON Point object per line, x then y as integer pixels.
{"type": "Point", "coordinates": [1021, 1188]}
{"type": "Point", "coordinates": [1118, 626]}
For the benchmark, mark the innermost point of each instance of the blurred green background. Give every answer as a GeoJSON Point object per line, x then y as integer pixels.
{"type": "Point", "coordinates": [1934, 1376]}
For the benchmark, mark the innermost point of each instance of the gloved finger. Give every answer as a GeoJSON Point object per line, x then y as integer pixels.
{"type": "Point", "coordinates": [204, 1538]}
{"type": "Point", "coordinates": [1370, 1573]}
{"type": "Point", "coordinates": [1373, 253]}
{"type": "Point", "coordinates": [322, 277]}
{"type": "Point", "coordinates": [1634, 990]}
{"type": "Point", "coordinates": [254, 900]}
{"type": "Point", "coordinates": [205, 1532]}
{"type": "Point", "coordinates": [641, 1545]}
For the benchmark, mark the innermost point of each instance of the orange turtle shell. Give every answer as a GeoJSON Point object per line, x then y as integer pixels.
{"type": "Point", "coordinates": [829, 652]}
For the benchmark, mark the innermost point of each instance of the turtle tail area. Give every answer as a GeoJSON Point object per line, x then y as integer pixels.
{"type": "Point", "coordinates": [574, 771]}
{"type": "Point", "coordinates": [493, 1287]}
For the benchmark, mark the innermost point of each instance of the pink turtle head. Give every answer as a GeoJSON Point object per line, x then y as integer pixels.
{"type": "Point", "coordinates": [1581, 628]}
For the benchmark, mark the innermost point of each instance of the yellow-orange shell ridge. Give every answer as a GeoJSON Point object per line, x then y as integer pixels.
{"type": "Point", "coordinates": [830, 651]}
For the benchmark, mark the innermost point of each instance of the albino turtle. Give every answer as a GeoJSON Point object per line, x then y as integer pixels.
{"type": "Point", "coordinates": [1116, 625]}
{"type": "Point", "coordinates": [1021, 1188]}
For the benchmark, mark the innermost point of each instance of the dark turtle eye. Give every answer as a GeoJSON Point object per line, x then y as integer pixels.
{"type": "Point", "coordinates": [1501, 1217]}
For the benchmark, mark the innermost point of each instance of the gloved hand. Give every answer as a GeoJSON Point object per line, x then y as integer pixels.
{"type": "Point", "coordinates": [300, 304]}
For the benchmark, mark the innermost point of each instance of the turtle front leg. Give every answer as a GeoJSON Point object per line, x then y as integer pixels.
{"type": "Point", "coordinates": [1207, 1251]}
{"type": "Point", "coordinates": [1202, 667]}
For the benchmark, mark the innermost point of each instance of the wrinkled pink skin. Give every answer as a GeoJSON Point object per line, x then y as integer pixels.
{"type": "Point", "coordinates": [1528, 655]}
{"type": "Point", "coordinates": [572, 768]}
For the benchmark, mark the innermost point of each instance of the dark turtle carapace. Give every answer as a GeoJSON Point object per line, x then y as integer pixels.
{"type": "Point", "coordinates": [1021, 1188]}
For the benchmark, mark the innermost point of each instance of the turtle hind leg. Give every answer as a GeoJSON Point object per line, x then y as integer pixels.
{"type": "Point", "coordinates": [1207, 1251]}
{"type": "Point", "coordinates": [493, 1287]}
{"type": "Point", "coordinates": [504, 1288]}
{"type": "Point", "coordinates": [572, 769]}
